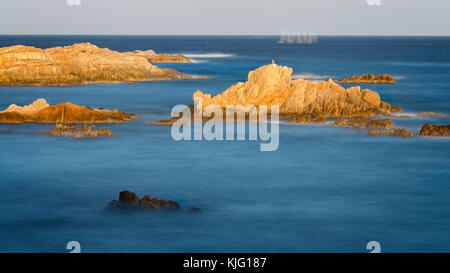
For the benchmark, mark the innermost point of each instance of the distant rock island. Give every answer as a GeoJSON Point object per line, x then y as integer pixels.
{"type": "Point", "coordinates": [41, 112]}
{"type": "Point", "coordinates": [369, 79]}
{"type": "Point", "coordinates": [82, 64]}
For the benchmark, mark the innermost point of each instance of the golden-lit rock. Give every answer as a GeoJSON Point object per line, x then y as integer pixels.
{"type": "Point", "coordinates": [77, 64]}
{"type": "Point", "coordinates": [61, 113]}
{"type": "Point", "coordinates": [380, 124]}
{"type": "Point", "coordinates": [273, 85]}
{"type": "Point", "coordinates": [435, 130]}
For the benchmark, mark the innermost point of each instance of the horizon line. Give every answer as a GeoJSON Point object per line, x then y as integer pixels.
{"type": "Point", "coordinates": [265, 35]}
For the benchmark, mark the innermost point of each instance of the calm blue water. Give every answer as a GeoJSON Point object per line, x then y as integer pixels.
{"type": "Point", "coordinates": [325, 189]}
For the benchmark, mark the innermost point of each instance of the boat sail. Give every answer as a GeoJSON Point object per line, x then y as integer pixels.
{"type": "Point", "coordinates": [295, 37]}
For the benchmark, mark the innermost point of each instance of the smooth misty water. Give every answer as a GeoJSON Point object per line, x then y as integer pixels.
{"type": "Point", "coordinates": [325, 188]}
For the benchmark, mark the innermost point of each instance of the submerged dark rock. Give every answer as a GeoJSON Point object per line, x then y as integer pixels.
{"type": "Point", "coordinates": [5, 131]}
{"type": "Point", "coordinates": [130, 201]}
{"type": "Point", "coordinates": [195, 210]}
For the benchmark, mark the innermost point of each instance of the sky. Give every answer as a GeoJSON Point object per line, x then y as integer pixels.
{"type": "Point", "coordinates": [225, 17]}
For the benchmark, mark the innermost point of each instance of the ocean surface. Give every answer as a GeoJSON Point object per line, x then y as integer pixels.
{"type": "Point", "coordinates": [325, 189]}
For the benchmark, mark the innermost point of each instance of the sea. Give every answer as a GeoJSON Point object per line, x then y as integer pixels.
{"type": "Point", "coordinates": [325, 189]}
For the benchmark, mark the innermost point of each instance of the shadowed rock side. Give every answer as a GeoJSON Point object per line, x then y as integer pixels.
{"type": "Point", "coordinates": [130, 201]}
{"type": "Point", "coordinates": [84, 131]}
{"type": "Point", "coordinates": [369, 79]}
{"type": "Point", "coordinates": [41, 112]}
{"type": "Point", "coordinates": [273, 85]}
{"type": "Point", "coordinates": [79, 64]}
{"type": "Point", "coordinates": [435, 130]}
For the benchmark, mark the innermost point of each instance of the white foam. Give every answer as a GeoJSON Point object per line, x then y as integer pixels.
{"type": "Point", "coordinates": [208, 55]}
{"type": "Point", "coordinates": [309, 76]}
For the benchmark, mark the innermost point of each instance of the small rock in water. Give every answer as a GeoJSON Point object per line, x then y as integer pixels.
{"type": "Point", "coordinates": [397, 133]}
{"type": "Point", "coordinates": [129, 200]}
{"type": "Point", "coordinates": [84, 131]}
{"type": "Point", "coordinates": [5, 131]}
{"type": "Point", "coordinates": [435, 130]}
{"type": "Point", "coordinates": [380, 123]}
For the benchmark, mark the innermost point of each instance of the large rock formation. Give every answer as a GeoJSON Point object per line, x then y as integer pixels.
{"type": "Point", "coordinates": [79, 64]}
{"type": "Point", "coordinates": [273, 85]}
{"type": "Point", "coordinates": [435, 130]}
{"type": "Point", "coordinates": [369, 79]}
{"type": "Point", "coordinates": [41, 112]}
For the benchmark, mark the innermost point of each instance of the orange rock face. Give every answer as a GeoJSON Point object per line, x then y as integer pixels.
{"type": "Point", "coordinates": [62, 113]}
{"type": "Point", "coordinates": [273, 85]}
{"type": "Point", "coordinates": [78, 64]}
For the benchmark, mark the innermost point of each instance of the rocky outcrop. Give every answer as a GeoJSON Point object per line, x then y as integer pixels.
{"type": "Point", "coordinates": [380, 124]}
{"type": "Point", "coordinates": [273, 85]}
{"type": "Point", "coordinates": [396, 109]}
{"type": "Point", "coordinates": [40, 112]}
{"type": "Point", "coordinates": [364, 122]}
{"type": "Point", "coordinates": [79, 64]}
{"type": "Point", "coordinates": [397, 133]}
{"type": "Point", "coordinates": [307, 119]}
{"type": "Point", "coordinates": [130, 201]}
{"type": "Point", "coordinates": [431, 115]}
{"type": "Point", "coordinates": [369, 79]}
{"type": "Point", "coordinates": [435, 130]}
{"type": "Point", "coordinates": [84, 131]}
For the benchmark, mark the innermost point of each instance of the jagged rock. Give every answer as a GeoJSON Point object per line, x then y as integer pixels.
{"type": "Point", "coordinates": [396, 109]}
{"type": "Point", "coordinates": [152, 57]}
{"type": "Point", "coordinates": [273, 85]}
{"type": "Point", "coordinates": [78, 64]}
{"type": "Point", "coordinates": [369, 79]}
{"type": "Point", "coordinates": [431, 115]}
{"type": "Point", "coordinates": [380, 124]}
{"type": "Point", "coordinates": [397, 132]}
{"type": "Point", "coordinates": [435, 130]}
{"type": "Point", "coordinates": [356, 122]}
{"type": "Point", "coordinates": [84, 131]}
{"type": "Point", "coordinates": [129, 200]}
{"type": "Point", "coordinates": [364, 122]}
{"type": "Point", "coordinates": [5, 131]}
{"type": "Point", "coordinates": [67, 112]}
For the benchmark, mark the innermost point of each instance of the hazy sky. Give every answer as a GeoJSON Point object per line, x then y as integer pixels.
{"type": "Point", "coordinates": [392, 17]}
